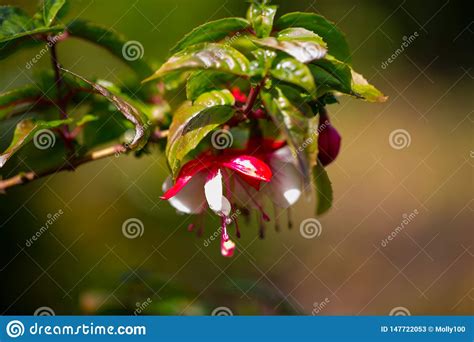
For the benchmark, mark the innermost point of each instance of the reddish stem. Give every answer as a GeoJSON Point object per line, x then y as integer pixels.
{"type": "Point", "coordinates": [61, 100]}
{"type": "Point", "coordinates": [254, 91]}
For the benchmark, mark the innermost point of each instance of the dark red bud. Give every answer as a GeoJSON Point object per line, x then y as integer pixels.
{"type": "Point", "coordinates": [329, 141]}
{"type": "Point", "coordinates": [259, 114]}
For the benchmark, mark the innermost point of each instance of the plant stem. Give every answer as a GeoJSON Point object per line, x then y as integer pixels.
{"type": "Point", "coordinates": [61, 100]}
{"type": "Point", "coordinates": [71, 165]}
{"type": "Point", "coordinates": [254, 91]}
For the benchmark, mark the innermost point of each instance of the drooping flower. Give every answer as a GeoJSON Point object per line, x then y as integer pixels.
{"type": "Point", "coordinates": [240, 178]}
{"type": "Point", "coordinates": [329, 140]}
{"type": "Point", "coordinates": [285, 187]}
{"type": "Point", "coordinates": [205, 182]}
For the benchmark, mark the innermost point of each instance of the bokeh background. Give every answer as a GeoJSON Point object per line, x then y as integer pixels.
{"type": "Point", "coordinates": [84, 264]}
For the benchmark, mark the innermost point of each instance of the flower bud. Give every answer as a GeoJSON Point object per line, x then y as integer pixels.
{"type": "Point", "coordinates": [329, 140]}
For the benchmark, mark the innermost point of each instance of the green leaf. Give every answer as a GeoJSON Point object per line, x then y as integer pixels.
{"type": "Point", "coordinates": [86, 119]}
{"type": "Point", "coordinates": [24, 94]}
{"type": "Point", "coordinates": [292, 123]}
{"type": "Point", "coordinates": [362, 89]}
{"type": "Point", "coordinates": [203, 81]}
{"type": "Point", "coordinates": [292, 71]}
{"type": "Point", "coordinates": [198, 122]}
{"type": "Point", "coordinates": [207, 120]}
{"type": "Point", "coordinates": [263, 62]}
{"type": "Point", "coordinates": [109, 128]}
{"type": "Point", "coordinates": [142, 107]}
{"type": "Point", "coordinates": [206, 56]}
{"type": "Point", "coordinates": [261, 17]}
{"type": "Point", "coordinates": [16, 27]}
{"type": "Point", "coordinates": [10, 47]}
{"type": "Point", "coordinates": [302, 44]}
{"type": "Point", "coordinates": [335, 39]}
{"type": "Point", "coordinates": [324, 193]}
{"type": "Point", "coordinates": [301, 34]}
{"type": "Point", "coordinates": [137, 118]}
{"type": "Point", "coordinates": [216, 98]}
{"type": "Point", "coordinates": [111, 41]}
{"type": "Point", "coordinates": [211, 32]}
{"type": "Point", "coordinates": [25, 132]}
{"type": "Point", "coordinates": [331, 74]}
{"type": "Point", "coordinates": [174, 80]}
{"type": "Point", "coordinates": [39, 94]}
{"type": "Point", "coordinates": [14, 22]}
{"type": "Point", "coordinates": [192, 123]}
{"type": "Point", "coordinates": [298, 99]}
{"type": "Point", "coordinates": [51, 9]}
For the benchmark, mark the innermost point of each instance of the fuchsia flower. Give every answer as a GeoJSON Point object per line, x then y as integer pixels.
{"type": "Point", "coordinates": [286, 185]}
{"type": "Point", "coordinates": [213, 175]}
{"type": "Point", "coordinates": [236, 178]}
{"type": "Point", "coordinates": [329, 140]}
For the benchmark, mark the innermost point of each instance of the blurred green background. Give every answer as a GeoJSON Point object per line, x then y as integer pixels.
{"type": "Point", "coordinates": [84, 264]}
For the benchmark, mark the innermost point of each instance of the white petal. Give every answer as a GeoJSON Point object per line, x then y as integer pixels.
{"type": "Point", "coordinates": [284, 154]}
{"type": "Point", "coordinates": [244, 195]}
{"type": "Point", "coordinates": [286, 185]}
{"type": "Point", "coordinates": [190, 200]}
{"type": "Point", "coordinates": [215, 199]}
